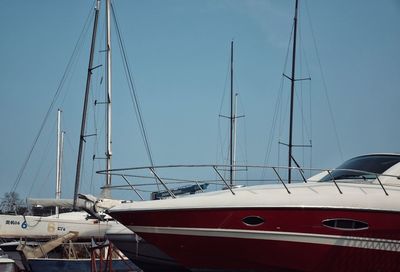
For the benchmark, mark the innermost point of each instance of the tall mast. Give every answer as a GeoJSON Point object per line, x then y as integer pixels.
{"type": "Point", "coordinates": [85, 103]}
{"type": "Point", "coordinates": [106, 191]}
{"type": "Point", "coordinates": [234, 137]}
{"type": "Point", "coordinates": [292, 79]}
{"type": "Point", "coordinates": [232, 124]}
{"type": "Point", "coordinates": [58, 159]}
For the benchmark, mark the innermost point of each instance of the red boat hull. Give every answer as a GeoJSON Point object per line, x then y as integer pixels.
{"type": "Point", "coordinates": [289, 239]}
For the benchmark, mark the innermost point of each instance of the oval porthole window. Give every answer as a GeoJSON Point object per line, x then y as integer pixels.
{"type": "Point", "coordinates": [345, 224]}
{"type": "Point", "coordinates": [253, 221]}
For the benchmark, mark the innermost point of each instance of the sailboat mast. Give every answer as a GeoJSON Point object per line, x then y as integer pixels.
{"type": "Point", "coordinates": [234, 136]}
{"type": "Point", "coordinates": [292, 95]}
{"type": "Point", "coordinates": [232, 118]}
{"type": "Point", "coordinates": [85, 104]}
{"type": "Point", "coordinates": [106, 191]}
{"type": "Point", "coordinates": [58, 159]}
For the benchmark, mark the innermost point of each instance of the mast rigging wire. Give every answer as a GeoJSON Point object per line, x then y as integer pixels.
{"type": "Point", "coordinates": [220, 149]}
{"type": "Point", "coordinates": [42, 159]}
{"type": "Point", "coordinates": [324, 84]}
{"type": "Point", "coordinates": [134, 97]}
{"type": "Point", "coordinates": [55, 97]}
{"type": "Point", "coordinates": [277, 107]}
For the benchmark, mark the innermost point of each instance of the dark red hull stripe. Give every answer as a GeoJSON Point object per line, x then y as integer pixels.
{"type": "Point", "coordinates": [335, 240]}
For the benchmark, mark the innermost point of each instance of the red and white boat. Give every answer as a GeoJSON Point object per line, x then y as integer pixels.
{"type": "Point", "coordinates": [347, 219]}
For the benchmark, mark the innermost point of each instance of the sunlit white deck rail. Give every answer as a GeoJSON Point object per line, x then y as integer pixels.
{"type": "Point", "coordinates": [138, 177]}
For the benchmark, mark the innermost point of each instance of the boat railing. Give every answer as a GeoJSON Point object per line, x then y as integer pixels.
{"type": "Point", "coordinates": [160, 181]}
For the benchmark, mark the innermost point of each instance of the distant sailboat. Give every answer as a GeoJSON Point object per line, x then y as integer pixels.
{"type": "Point", "coordinates": [44, 227]}
{"type": "Point", "coordinates": [36, 229]}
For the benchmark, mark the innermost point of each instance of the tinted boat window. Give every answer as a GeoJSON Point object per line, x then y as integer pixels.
{"type": "Point", "coordinates": [369, 163]}
{"type": "Point", "coordinates": [345, 224]}
{"type": "Point", "coordinates": [253, 220]}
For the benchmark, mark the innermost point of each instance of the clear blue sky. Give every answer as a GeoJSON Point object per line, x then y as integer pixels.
{"type": "Point", "coordinates": [179, 54]}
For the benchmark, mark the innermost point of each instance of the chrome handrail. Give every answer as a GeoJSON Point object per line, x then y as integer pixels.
{"type": "Point", "coordinates": [122, 172]}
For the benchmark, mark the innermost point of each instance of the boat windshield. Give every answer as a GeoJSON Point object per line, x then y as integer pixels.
{"type": "Point", "coordinates": [369, 163]}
